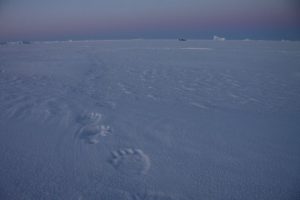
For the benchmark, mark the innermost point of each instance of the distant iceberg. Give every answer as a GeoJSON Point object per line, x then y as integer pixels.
{"type": "Point", "coordinates": [182, 39]}
{"type": "Point", "coordinates": [217, 38]}
{"type": "Point", "coordinates": [15, 42]}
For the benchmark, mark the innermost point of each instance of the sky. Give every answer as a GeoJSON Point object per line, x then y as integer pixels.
{"type": "Point", "coordinates": [126, 19]}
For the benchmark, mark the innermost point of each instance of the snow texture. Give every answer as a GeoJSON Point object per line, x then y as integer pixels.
{"type": "Point", "coordinates": [150, 119]}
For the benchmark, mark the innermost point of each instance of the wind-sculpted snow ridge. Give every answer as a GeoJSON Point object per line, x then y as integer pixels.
{"type": "Point", "coordinates": [33, 98]}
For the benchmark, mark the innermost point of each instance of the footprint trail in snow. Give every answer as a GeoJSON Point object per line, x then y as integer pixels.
{"type": "Point", "coordinates": [92, 128]}
{"type": "Point", "coordinates": [130, 161]}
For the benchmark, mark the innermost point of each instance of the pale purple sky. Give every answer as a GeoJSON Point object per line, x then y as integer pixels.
{"type": "Point", "coordinates": [116, 19]}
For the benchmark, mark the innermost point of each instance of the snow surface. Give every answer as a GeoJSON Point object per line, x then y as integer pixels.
{"type": "Point", "coordinates": [150, 119]}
